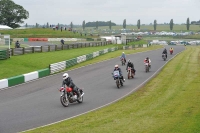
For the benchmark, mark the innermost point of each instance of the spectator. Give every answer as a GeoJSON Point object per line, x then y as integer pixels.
{"type": "Point", "coordinates": [62, 41]}
{"type": "Point", "coordinates": [65, 28]}
{"type": "Point", "coordinates": [61, 29]}
{"type": "Point", "coordinates": [17, 45]}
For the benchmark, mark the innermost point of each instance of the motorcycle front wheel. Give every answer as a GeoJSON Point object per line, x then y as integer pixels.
{"type": "Point", "coordinates": [64, 101]}
{"type": "Point", "coordinates": [117, 83]}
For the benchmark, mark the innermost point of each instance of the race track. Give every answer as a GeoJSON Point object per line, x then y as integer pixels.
{"type": "Point", "coordinates": [37, 103]}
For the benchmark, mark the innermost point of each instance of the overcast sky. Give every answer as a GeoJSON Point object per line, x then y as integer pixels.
{"type": "Point", "coordinates": [76, 11]}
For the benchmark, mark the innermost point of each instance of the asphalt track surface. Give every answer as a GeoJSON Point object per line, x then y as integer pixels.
{"type": "Point", "coordinates": [37, 103]}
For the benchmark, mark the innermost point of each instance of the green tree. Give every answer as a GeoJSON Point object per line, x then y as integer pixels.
{"type": "Point", "coordinates": [47, 25]}
{"type": "Point", "coordinates": [12, 14]}
{"type": "Point", "coordinates": [138, 24]}
{"type": "Point", "coordinates": [97, 24]}
{"type": "Point", "coordinates": [36, 25]}
{"type": "Point", "coordinates": [155, 24]}
{"type": "Point", "coordinates": [171, 24]}
{"type": "Point", "coordinates": [58, 26]}
{"type": "Point", "coordinates": [26, 25]}
{"type": "Point", "coordinates": [110, 25]}
{"type": "Point", "coordinates": [188, 24]}
{"type": "Point", "coordinates": [71, 25]}
{"type": "Point", "coordinates": [124, 24]}
{"type": "Point", "coordinates": [83, 25]}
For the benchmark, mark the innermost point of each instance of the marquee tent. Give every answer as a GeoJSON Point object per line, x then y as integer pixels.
{"type": "Point", "coordinates": [4, 27]}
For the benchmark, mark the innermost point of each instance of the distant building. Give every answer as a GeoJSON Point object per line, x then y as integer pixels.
{"type": "Point", "coordinates": [196, 22]}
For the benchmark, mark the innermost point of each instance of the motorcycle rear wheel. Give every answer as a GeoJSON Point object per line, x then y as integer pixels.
{"type": "Point", "coordinates": [64, 101]}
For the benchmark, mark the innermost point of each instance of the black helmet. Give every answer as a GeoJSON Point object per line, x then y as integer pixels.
{"type": "Point", "coordinates": [147, 58]}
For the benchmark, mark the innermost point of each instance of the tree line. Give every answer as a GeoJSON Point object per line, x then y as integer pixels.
{"type": "Point", "coordinates": [12, 15]}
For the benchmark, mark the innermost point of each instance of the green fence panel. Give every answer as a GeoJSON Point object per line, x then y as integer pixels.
{"type": "Point", "coordinates": [25, 39]}
{"type": "Point", "coordinates": [16, 80]}
{"type": "Point", "coordinates": [43, 72]}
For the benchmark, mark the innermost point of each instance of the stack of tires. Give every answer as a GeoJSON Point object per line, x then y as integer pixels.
{"type": "Point", "coordinates": [4, 54]}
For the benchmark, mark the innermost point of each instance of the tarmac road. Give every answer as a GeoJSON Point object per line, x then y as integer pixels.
{"type": "Point", "coordinates": [37, 103]}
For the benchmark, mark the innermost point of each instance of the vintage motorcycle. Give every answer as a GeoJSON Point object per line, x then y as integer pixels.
{"type": "Point", "coordinates": [130, 73]}
{"type": "Point", "coordinates": [123, 61]}
{"type": "Point", "coordinates": [164, 57]}
{"type": "Point", "coordinates": [117, 78]}
{"type": "Point", "coordinates": [69, 96]}
{"type": "Point", "coordinates": [171, 51]}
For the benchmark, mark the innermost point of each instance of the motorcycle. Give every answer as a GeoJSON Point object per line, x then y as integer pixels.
{"type": "Point", "coordinates": [123, 61]}
{"type": "Point", "coordinates": [171, 52]}
{"type": "Point", "coordinates": [69, 96]}
{"type": "Point", "coordinates": [117, 76]}
{"type": "Point", "coordinates": [130, 73]}
{"type": "Point", "coordinates": [146, 67]}
{"type": "Point", "coordinates": [164, 57]}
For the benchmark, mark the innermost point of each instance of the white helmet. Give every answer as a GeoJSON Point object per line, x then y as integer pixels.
{"type": "Point", "coordinates": [129, 60]}
{"type": "Point", "coordinates": [65, 75]}
{"type": "Point", "coordinates": [116, 66]}
{"type": "Point", "coordinates": [123, 52]}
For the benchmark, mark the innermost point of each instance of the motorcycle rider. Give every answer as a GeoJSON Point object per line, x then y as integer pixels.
{"type": "Point", "coordinates": [130, 64]}
{"type": "Point", "coordinates": [120, 72]}
{"type": "Point", "coordinates": [165, 52]}
{"type": "Point", "coordinates": [68, 81]}
{"type": "Point", "coordinates": [123, 56]}
{"type": "Point", "coordinates": [147, 60]}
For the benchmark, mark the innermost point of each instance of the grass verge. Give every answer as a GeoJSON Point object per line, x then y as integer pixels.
{"type": "Point", "coordinates": [169, 103]}
{"type": "Point", "coordinates": [22, 64]}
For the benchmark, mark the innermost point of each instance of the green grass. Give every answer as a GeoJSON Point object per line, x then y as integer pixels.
{"type": "Point", "coordinates": [169, 103]}
{"type": "Point", "coordinates": [42, 33]}
{"type": "Point", "coordinates": [49, 33]}
{"type": "Point", "coordinates": [22, 64]}
{"type": "Point", "coordinates": [138, 42]}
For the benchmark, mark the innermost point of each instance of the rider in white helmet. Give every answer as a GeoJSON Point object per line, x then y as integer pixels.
{"type": "Point", "coordinates": [68, 81]}
{"type": "Point", "coordinates": [120, 71]}
{"type": "Point", "coordinates": [123, 56]}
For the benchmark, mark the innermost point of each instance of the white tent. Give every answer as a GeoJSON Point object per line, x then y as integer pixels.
{"type": "Point", "coordinates": [4, 27]}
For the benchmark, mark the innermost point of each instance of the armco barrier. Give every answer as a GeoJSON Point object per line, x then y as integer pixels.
{"type": "Point", "coordinates": [43, 72]}
{"type": "Point", "coordinates": [15, 80]}
{"type": "Point", "coordinates": [24, 78]}
{"type": "Point", "coordinates": [3, 83]}
{"type": "Point", "coordinates": [30, 76]}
